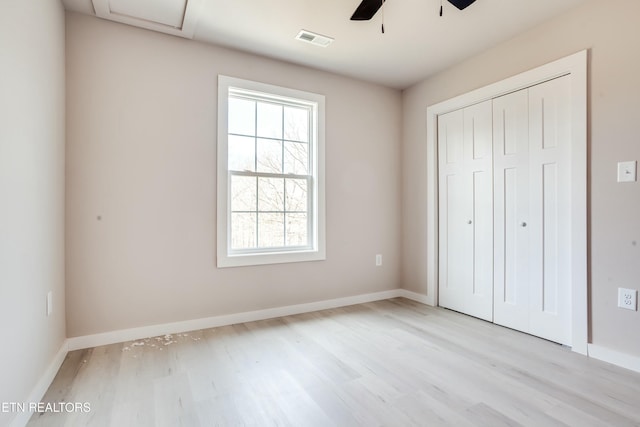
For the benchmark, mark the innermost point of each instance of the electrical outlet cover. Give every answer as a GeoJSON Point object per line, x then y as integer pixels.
{"type": "Point", "coordinates": [627, 299]}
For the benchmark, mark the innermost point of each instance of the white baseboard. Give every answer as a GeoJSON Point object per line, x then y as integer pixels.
{"type": "Point", "coordinates": [421, 298]}
{"type": "Point", "coordinates": [614, 357]}
{"type": "Point", "coordinates": [37, 393]}
{"type": "Point", "coordinates": [89, 341]}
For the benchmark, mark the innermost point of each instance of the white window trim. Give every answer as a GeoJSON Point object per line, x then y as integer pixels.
{"type": "Point", "coordinates": [225, 257]}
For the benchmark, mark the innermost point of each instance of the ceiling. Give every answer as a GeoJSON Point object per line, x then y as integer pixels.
{"type": "Point", "coordinates": [416, 44]}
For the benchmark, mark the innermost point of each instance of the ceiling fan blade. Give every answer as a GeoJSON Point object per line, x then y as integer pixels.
{"type": "Point", "coordinates": [461, 4]}
{"type": "Point", "coordinates": [366, 10]}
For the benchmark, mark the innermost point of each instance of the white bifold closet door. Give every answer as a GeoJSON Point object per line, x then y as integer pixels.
{"type": "Point", "coordinates": [466, 210]}
{"type": "Point", "coordinates": [532, 192]}
{"type": "Point", "coordinates": [504, 214]}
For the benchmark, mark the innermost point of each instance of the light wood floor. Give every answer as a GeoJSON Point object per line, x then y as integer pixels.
{"type": "Point", "coordinates": [391, 363]}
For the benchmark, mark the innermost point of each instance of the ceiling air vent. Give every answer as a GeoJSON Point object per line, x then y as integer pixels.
{"type": "Point", "coordinates": [313, 38]}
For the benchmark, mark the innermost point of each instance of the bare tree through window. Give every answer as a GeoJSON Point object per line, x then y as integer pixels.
{"type": "Point", "coordinates": [269, 160]}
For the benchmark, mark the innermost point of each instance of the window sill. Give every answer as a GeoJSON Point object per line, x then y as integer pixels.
{"type": "Point", "coordinates": [245, 260]}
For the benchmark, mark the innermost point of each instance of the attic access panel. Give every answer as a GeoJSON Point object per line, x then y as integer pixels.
{"type": "Point", "coordinates": [175, 17]}
{"type": "Point", "coordinates": [165, 12]}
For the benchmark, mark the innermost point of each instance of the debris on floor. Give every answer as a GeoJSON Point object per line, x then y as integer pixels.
{"type": "Point", "coordinates": [159, 342]}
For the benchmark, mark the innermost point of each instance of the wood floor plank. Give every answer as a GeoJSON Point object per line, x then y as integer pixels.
{"type": "Point", "coordinates": [386, 363]}
{"type": "Point", "coordinates": [424, 409]}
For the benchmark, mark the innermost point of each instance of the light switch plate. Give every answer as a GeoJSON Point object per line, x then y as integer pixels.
{"type": "Point", "coordinates": [627, 171]}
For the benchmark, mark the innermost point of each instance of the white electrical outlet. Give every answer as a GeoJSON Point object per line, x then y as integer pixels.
{"type": "Point", "coordinates": [49, 303]}
{"type": "Point", "coordinates": [378, 260]}
{"type": "Point", "coordinates": [627, 299]}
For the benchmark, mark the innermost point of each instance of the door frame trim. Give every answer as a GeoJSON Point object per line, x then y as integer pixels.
{"type": "Point", "coordinates": [574, 66]}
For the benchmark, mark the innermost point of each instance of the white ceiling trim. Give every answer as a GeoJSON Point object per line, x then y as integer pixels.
{"type": "Point", "coordinates": [186, 29]}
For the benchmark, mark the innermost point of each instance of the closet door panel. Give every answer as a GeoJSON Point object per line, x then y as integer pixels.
{"type": "Point", "coordinates": [511, 199]}
{"type": "Point", "coordinates": [454, 243]}
{"type": "Point", "coordinates": [465, 211]}
{"type": "Point", "coordinates": [550, 139]}
{"type": "Point", "coordinates": [478, 131]}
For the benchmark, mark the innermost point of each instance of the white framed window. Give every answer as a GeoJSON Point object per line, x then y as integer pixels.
{"type": "Point", "coordinates": [270, 174]}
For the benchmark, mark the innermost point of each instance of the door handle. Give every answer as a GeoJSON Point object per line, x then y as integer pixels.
{"type": "Point", "coordinates": [469, 222]}
{"type": "Point", "coordinates": [524, 224]}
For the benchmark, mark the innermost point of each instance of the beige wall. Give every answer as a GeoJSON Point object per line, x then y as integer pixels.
{"type": "Point", "coordinates": [32, 110]}
{"type": "Point", "coordinates": [141, 154]}
{"type": "Point", "coordinates": [611, 31]}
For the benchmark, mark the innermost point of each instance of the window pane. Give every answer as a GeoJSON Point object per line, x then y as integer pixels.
{"type": "Point", "coordinates": [269, 156]}
{"type": "Point", "coordinates": [242, 153]}
{"type": "Point", "coordinates": [270, 230]}
{"type": "Point", "coordinates": [269, 120]}
{"type": "Point", "coordinates": [243, 230]}
{"type": "Point", "coordinates": [271, 194]}
{"type": "Point", "coordinates": [296, 124]}
{"type": "Point", "coordinates": [296, 195]}
{"type": "Point", "coordinates": [296, 158]}
{"type": "Point", "coordinates": [242, 116]}
{"type": "Point", "coordinates": [297, 229]}
{"type": "Point", "coordinates": [243, 193]}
